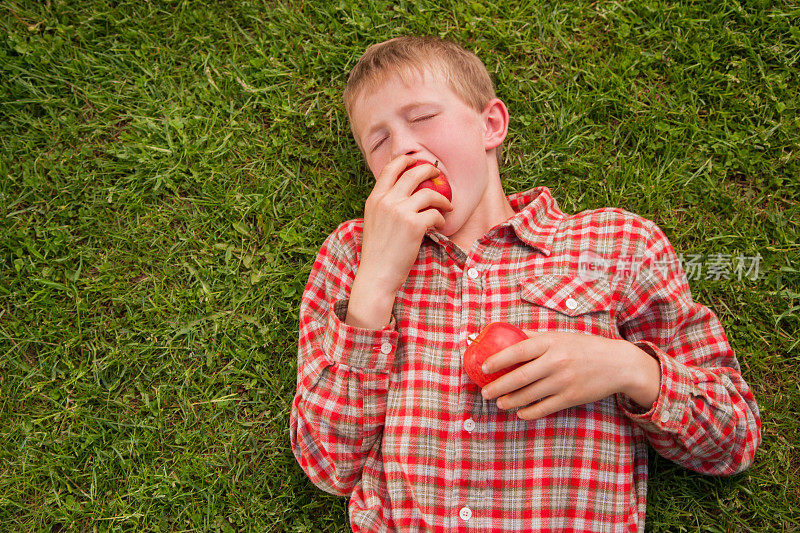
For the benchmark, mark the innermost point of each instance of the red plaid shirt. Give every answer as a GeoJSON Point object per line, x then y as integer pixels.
{"type": "Point", "coordinates": [390, 418]}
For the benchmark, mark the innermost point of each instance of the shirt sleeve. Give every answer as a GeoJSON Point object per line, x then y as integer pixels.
{"type": "Point", "coordinates": [705, 417]}
{"type": "Point", "coordinates": [342, 374]}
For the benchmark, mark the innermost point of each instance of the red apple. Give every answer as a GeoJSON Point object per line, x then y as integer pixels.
{"type": "Point", "coordinates": [494, 337]}
{"type": "Point", "coordinates": [438, 184]}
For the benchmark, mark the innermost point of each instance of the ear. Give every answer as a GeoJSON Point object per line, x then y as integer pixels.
{"type": "Point", "coordinates": [495, 121]}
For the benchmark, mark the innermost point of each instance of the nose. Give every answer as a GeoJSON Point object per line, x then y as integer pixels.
{"type": "Point", "coordinates": [404, 142]}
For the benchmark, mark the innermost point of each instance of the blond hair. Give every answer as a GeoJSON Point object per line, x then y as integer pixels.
{"type": "Point", "coordinates": [408, 55]}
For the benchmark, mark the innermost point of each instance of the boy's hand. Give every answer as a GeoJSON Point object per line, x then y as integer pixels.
{"type": "Point", "coordinates": [395, 221]}
{"type": "Point", "coordinates": [568, 369]}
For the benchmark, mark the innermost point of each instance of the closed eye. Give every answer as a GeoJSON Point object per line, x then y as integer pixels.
{"type": "Point", "coordinates": [423, 117]}
{"type": "Point", "coordinates": [420, 118]}
{"type": "Point", "coordinates": [377, 144]}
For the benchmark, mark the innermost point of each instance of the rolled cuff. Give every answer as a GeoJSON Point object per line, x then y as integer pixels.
{"type": "Point", "coordinates": [368, 349]}
{"type": "Point", "coordinates": [672, 409]}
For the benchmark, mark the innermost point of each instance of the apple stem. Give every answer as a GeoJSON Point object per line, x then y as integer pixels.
{"type": "Point", "coordinates": [436, 164]}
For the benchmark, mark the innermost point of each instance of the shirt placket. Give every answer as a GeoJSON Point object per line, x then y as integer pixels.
{"type": "Point", "coordinates": [470, 482]}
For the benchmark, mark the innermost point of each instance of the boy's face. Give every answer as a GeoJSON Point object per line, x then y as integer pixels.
{"type": "Point", "coordinates": [427, 120]}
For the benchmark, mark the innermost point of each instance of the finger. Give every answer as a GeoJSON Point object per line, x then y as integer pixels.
{"type": "Point", "coordinates": [388, 175]}
{"type": "Point", "coordinates": [434, 219]}
{"type": "Point", "coordinates": [425, 198]}
{"type": "Point", "coordinates": [527, 350]}
{"type": "Point", "coordinates": [526, 395]}
{"type": "Point", "coordinates": [517, 379]}
{"type": "Point", "coordinates": [548, 406]}
{"type": "Point", "coordinates": [411, 179]}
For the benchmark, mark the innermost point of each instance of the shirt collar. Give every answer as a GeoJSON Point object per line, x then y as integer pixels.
{"type": "Point", "coordinates": [536, 217]}
{"type": "Point", "coordinates": [535, 220]}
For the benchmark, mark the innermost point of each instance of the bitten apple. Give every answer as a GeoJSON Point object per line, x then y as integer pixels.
{"type": "Point", "coordinates": [438, 184]}
{"type": "Point", "coordinates": [494, 337]}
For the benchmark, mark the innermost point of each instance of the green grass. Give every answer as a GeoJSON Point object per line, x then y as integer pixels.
{"type": "Point", "coordinates": [168, 171]}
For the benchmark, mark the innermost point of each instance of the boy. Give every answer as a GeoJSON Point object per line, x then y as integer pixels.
{"type": "Point", "coordinates": [616, 357]}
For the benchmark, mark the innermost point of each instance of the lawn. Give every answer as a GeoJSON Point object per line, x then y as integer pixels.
{"type": "Point", "coordinates": [169, 169]}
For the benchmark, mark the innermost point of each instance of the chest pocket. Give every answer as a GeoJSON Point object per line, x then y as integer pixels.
{"type": "Point", "coordinates": [570, 303]}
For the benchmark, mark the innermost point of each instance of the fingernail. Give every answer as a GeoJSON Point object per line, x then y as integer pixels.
{"type": "Point", "coordinates": [485, 368]}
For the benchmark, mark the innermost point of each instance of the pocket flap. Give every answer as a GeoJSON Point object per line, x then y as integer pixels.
{"type": "Point", "coordinates": [567, 294]}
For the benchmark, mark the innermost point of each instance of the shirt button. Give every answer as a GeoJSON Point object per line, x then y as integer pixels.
{"type": "Point", "coordinates": [665, 416]}
{"type": "Point", "coordinates": [472, 273]}
{"type": "Point", "coordinates": [571, 304]}
{"type": "Point", "coordinates": [386, 348]}
{"type": "Point", "coordinates": [469, 425]}
{"type": "Point", "coordinates": [465, 513]}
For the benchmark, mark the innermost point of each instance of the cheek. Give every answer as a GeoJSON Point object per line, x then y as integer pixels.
{"type": "Point", "coordinates": [466, 144]}
{"type": "Point", "coordinates": [376, 164]}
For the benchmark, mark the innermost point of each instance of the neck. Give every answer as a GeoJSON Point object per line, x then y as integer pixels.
{"type": "Point", "coordinates": [493, 209]}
